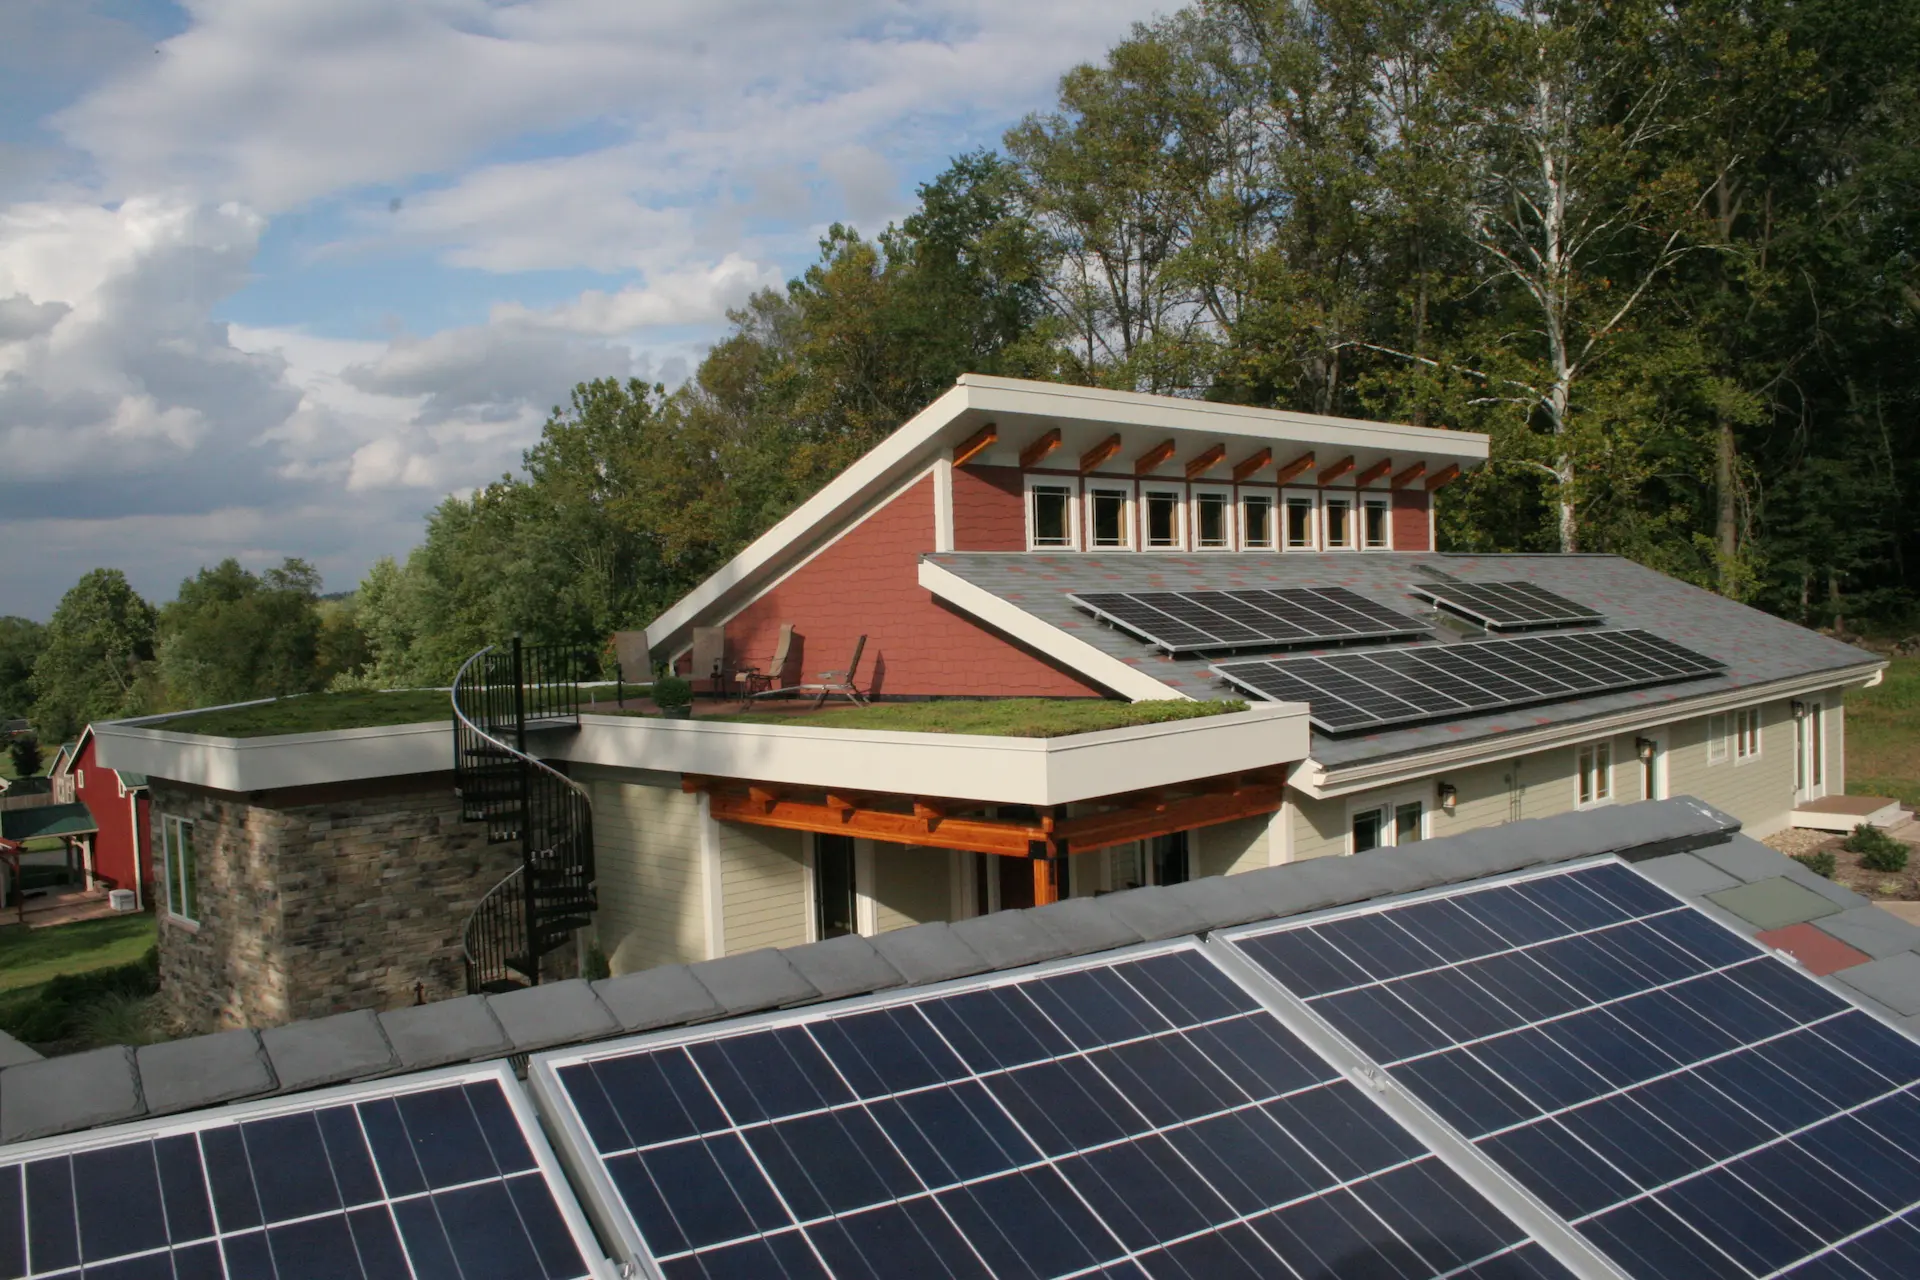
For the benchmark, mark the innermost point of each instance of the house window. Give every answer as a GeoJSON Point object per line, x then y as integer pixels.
{"type": "Point", "coordinates": [181, 868]}
{"type": "Point", "coordinates": [80, 779]}
{"type": "Point", "coordinates": [1388, 824]}
{"type": "Point", "coordinates": [1300, 522]}
{"type": "Point", "coordinates": [1049, 516]}
{"type": "Point", "coordinates": [1256, 522]}
{"type": "Point", "coordinates": [1168, 855]}
{"type": "Point", "coordinates": [1595, 785]}
{"type": "Point", "coordinates": [1163, 520]}
{"type": "Point", "coordinates": [1109, 522]}
{"type": "Point", "coordinates": [1213, 520]}
{"type": "Point", "coordinates": [1339, 524]}
{"type": "Point", "coordinates": [836, 911]}
{"type": "Point", "coordinates": [1375, 532]}
{"type": "Point", "coordinates": [1716, 739]}
{"type": "Point", "coordinates": [1746, 734]}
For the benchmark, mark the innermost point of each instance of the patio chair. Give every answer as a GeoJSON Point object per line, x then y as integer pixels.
{"type": "Point", "coordinates": [840, 682]}
{"type": "Point", "coordinates": [758, 682]}
{"type": "Point", "coordinates": [709, 658]}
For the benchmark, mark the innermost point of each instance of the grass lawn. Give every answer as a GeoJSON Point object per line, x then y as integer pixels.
{"type": "Point", "coordinates": [315, 713]}
{"type": "Point", "coordinates": [1010, 717]}
{"type": "Point", "coordinates": [1883, 735]}
{"type": "Point", "coordinates": [30, 957]}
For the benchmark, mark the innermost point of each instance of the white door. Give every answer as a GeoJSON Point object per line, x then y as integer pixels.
{"type": "Point", "coordinates": [1810, 753]}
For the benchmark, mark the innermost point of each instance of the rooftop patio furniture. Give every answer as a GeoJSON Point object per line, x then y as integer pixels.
{"type": "Point", "coordinates": [758, 682]}
{"type": "Point", "coordinates": [840, 682]}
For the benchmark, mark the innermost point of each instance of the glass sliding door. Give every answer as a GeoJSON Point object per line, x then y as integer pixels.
{"type": "Point", "coordinates": [836, 912]}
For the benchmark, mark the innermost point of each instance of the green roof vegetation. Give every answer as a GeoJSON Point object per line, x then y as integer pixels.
{"type": "Point", "coordinates": [314, 713]}
{"type": "Point", "coordinates": [1005, 717]}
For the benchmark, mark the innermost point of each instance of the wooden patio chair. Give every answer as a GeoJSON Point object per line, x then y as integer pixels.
{"type": "Point", "coordinates": [709, 658]}
{"type": "Point", "coordinates": [758, 682]}
{"type": "Point", "coordinates": [840, 682]}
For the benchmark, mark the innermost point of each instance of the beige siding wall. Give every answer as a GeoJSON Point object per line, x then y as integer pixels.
{"type": "Point", "coordinates": [911, 885]}
{"type": "Point", "coordinates": [1230, 847]}
{"type": "Point", "coordinates": [647, 856]}
{"type": "Point", "coordinates": [763, 887]}
{"type": "Point", "coordinates": [1758, 791]}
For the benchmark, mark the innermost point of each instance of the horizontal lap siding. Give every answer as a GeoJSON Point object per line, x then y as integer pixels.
{"type": "Point", "coordinates": [1231, 847]}
{"type": "Point", "coordinates": [1759, 791]}
{"type": "Point", "coordinates": [989, 509]}
{"type": "Point", "coordinates": [762, 886]}
{"type": "Point", "coordinates": [647, 860]}
{"type": "Point", "coordinates": [911, 885]}
{"type": "Point", "coordinates": [868, 582]}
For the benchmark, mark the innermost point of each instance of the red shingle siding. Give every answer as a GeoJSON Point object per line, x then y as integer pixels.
{"type": "Point", "coordinates": [868, 582]}
{"type": "Point", "coordinates": [988, 510]}
{"type": "Point", "coordinates": [116, 851]}
{"type": "Point", "coordinates": [1410, 526]}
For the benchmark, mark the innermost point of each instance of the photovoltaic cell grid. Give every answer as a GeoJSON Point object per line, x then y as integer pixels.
{"type": "Point", "coordinates": [1368, 690]}
{"type": "Point", "coordinates": [1507, 605]}
{"type": "Point", "coordinates": [435, 1182]}
{"type": "Point", "coordinates": [1141, 1119]}
{"type": "Point", "coordinates": [1693, 1106]}
{"type": "Point", "coordinates": [1186, 621]}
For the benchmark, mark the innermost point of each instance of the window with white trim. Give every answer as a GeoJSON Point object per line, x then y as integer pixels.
{"type": "Point", "coordinates": [1213, 519]}
{"type": "Point", "coordinates": [1256, 522]}
{"type": "Point", "coordinates": [1376, 527]}
{"type": "Point", "coordinates": [1302, 511]}
{"type": "Point", "coordinates": [181, 868]}
{"type": "Point", "coordinates": [1339, 517]}
{"type": "Point", "coordinates": [1388, 823]}
{"type": "Point", "coordinates": [1594, 767]}
{"type": "Point", "coordinates": [1109, 518]}
{"type": "Point", "coordinates": [1050, 514]}
{"type": "Point", "coordinates": [1746, 734]}
{"type": "Point", "coordinates": [1716, 739]}
{"type": "Point", "coordinates": [80, 779]}
{"type": "Point", "coordinates": [1163, 518]}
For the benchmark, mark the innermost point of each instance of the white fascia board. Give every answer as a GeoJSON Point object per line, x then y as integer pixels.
{"type": "Point", "coordinates": [1315, 780]}
{"type": "Point", "coordinates": [1063, 647]}
{"type": "Point", "coordinates": [1034, 771]}
{"type": "Point", "coordinates": [284, 760]}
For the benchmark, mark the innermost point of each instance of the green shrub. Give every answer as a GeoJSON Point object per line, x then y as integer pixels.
{"type": "Point", "coordinates": [57, 1011]}
{"type": "Point", "coordinates": [119, 1017]}
{"type": "Point", "coordinates": [671, 691]}
{"type": "Point", "coordinates": [1821, 864]}
{"type": "Point", "coordinates": [596, 966]}
{"type": "Point", "coordinates": [1878, 851]}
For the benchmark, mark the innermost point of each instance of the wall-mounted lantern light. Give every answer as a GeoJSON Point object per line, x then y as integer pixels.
{"type": "Point", "coordinates": [1644, 748]}
{"type": "Point", "coordinates": [1449, 796]}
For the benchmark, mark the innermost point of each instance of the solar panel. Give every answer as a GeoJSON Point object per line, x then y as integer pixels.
{"type": "Point", "coordinates": [1507, 606]}
{"type": "Point", "coordinates": [1188, 621]}
{"type": "Point", "coordinates": [1136, 1116]}
{"type": "Point", "coordinates": [438, 1175]}
{"type": "Point", "coordinates": [1692, 1105]}
{"type": "Point", "coordinates": [1373, 689]}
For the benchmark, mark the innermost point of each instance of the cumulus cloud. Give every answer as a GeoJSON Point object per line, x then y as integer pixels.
{"type": "Point", "coordinates": [690, 296]}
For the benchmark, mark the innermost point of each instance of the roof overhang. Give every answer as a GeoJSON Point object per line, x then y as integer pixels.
{"type": "Point", "coordinates": [1022, 412]}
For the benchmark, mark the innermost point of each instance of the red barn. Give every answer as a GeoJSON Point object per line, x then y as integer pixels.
{"type": "Point", "coordinates": [117, 856]}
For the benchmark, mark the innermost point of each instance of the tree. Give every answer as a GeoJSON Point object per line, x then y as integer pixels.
{"type": "Point", "coordinates": [20, 643]}
{"type": "Point", "coordinates": [98, 644]}
{"type": "Point", "coordinates": [25, 753]}
{"type": "Point", "coordinates": [231, 635]}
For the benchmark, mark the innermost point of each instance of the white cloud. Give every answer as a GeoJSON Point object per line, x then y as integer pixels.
{"type": "Point", "coordinates": [690, 296]}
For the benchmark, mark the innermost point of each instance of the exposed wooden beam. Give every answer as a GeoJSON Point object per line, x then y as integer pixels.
{"type": "Point", "coordinates": [1334, 470]}
{"type": "Point", "coordinates": [1378, 471]}
{"type": "Point", "coordinates": [1033, 454]}
{"type": "Point", "coordinates": [1443, 477]}
{"type": "Point", "coordinates": [929, 811]}
{"type": "Point", "coordinates": [1408, 476]}
{"type": "Point", "coordinates": [1099, 453]}
{"type": "Point", "coordinates": [843, 804]}
{"type": "Point", "coordinates": [765, 797]}
{"type": "Point", "coordinates": [970, 448]}
{"type": "Point", "coordinates": [1152, 458]}
{"type": "Point", "coordinates": [1046, 881]}
{"type": "Point", "coordinates": [1297, 468]}
{"type": "Point", "coordinates": [1104, 830]}
{"type": "Point", "coordinates": [1254, 462]}
{"type": "Point", "coordinates": [1207, 461]}
{"type": "Point", "coordinates": [975, 835]}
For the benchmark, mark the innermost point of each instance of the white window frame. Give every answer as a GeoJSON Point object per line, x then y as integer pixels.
{"type": "Point", "coordinates": [1596, 759]}
{"type": "Point", "coordinates": [174, 829]}
{"type": "Point", "coordinates": [1390, 805]}
{"type": "Point", "coordinates": [1351, 502]}
{"type": "Point", "coordinates": [1072, 485]}
{"type": "Point", "coordinates": [1748, 735]}
{"type": "Point", "coordinates": [1179, 495]}
{"type": "Point", "coordinates": [1719, 740]}
{"type": "Point", "coordinates": [1227, 513]}
{"type": "Point", "coordinates": [1308, 498]}
{"type": "Point", "coordinates": [80, 779]}
{"type": "Point", "coordinates": [1275, 513]}
{"type": "Point", "coordinates": [1384, 504]}
{"type": "Point", "coordinates": [1125, 488]}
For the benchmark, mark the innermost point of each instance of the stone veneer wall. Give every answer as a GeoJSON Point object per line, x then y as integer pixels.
{"type": "Point", "coordinates": [319, 900]}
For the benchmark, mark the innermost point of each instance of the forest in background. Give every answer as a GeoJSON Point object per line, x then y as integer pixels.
{"type": "Point", "coordinates": [1663, 253]}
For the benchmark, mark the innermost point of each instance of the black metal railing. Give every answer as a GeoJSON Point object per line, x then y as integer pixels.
{"type": "Point", "coordinates": [498, 695]}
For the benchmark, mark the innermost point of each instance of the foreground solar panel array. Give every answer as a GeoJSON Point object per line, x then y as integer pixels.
{"type": "Point", "coordinates": [1191, 621]}
{"type": "Point", "coordinates": [1506, 606]}
{"type": "Point", "coordinates": [1371, 690]}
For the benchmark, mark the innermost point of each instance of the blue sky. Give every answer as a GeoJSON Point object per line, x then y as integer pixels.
{"type": "Point", "coordinates": [278, 275]}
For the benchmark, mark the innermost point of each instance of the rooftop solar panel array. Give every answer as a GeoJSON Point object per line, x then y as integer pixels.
{"type": "Point", "coordinates": [433, 1176]}
{"type": "Point", "coordinates": [1191, 621]}
{"type": "Point", "coordinates": [1691, 1104]}
{"type": "Point", "coordinates": [1368, 690]}
{"type": "Point", "coordinates": [1139, 1117]}
{"type": "Point", "coordinates": [1507, 606]}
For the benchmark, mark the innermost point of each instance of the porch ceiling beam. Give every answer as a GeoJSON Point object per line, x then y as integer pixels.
{"type": "Point", "coordinates": [1207, 460]}
{"type": "Point", "coordinates": [1099, 453]}
{"type": "Point", "coordinates": [1103, 830]}
{"type": "Point", "coordinates": [1034, 454]}
{"type": "Point", "coordinates": [1152, 459]}
{"type": "Point", "coordinates": [1245, 470]}
{"type": "Point", "coordinates": [1407, 477]}
{"type": "Point", "coordinates": [1334, 470]}
{"type": "Point", "coordinates": [976, 444]}
{"type": "Point", "coordinates": [1295, 469]}
{"type": "Point", "coordinates": [1375, 472]}
{"type": "Point", "coordinates": [971, 834]}
{"type": "Point", "coordinates": [1443, 477]}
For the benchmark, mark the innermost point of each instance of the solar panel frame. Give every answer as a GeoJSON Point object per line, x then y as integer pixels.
{"type": "Point", "coordinates": [1508, 605]}
{"type": "Point", "coordinates": [1579, 1161]}
{"type": "Point", "coordinates": [273, 1214]}
{"type": "Point", "coordinates": [1523, 1253]}
{"type": "Point", "coordinates": [1197, 621]}
{"type": "Point", "coordinates": [1385, 688]}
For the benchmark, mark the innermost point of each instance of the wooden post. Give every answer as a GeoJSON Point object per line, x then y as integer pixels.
{"type": "Point", "coordinates": [1046, 881]}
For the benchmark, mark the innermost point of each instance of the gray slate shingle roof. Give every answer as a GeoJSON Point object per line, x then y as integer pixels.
{"type": "Point", "coordinates": [1757, 647]}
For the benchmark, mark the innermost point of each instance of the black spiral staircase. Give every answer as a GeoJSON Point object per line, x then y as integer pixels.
{"type": "Point", "coordinates": [502, 694]}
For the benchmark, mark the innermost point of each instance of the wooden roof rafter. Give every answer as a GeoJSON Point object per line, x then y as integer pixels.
{"type": "Point", "coordinates": [1378, 471]}
{"type": "Point", "coordinates": [976, 444]}
{"type": "Point", "coordinates": [1205, 461]}
{"type": "Point", "coordinates": [1295, 469]}
{"type": "Point", "coordinates": [1100, 453]}
{"type": "Point", "coordinates": [1443, 477]}
{"type": "Point", "coordinates": [1034, 454]}
{"type": "Point", "coordinates": [1154, 458]}
{"type": "Point", "coordinates": [1407, 477]}
{"type": "Point", "coordinates": [1254, 463]}
{"type": "Point", "coordinates": [1334, 470]}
